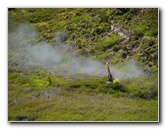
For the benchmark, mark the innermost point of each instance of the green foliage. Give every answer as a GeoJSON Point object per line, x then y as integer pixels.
{"type": "Point", "coordinates": [146, 23]}
{"type": "Point", "coordinates": [33, 97]}
{"type": "Point", "coordinates": [148, 53]}
{"type": "Point", "coordinates": [33, 78]}
{"type": "Point", "coordinates": [148, 42]}
{"type": "Point", "coordinates": [36, 95]}
{"type": "Point", "coordinates": [90, 29]}
{"type": "Point", "coordinates": [145, 88]}
{"type": "Point", "coordinates": [109, 42]}
{"type": "Point", "coordinates": [59, 104]}
{"type": "Point", "coordinates": [116, 81]}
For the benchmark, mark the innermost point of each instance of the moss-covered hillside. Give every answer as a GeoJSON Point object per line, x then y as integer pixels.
{"type": "Point", "coordinates": [114, 34]}
{"type": "Point", "coordinates": [57, 57]}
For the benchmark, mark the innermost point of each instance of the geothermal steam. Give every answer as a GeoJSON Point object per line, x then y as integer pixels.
{"type": "Point", "coordinates": [58, 58]}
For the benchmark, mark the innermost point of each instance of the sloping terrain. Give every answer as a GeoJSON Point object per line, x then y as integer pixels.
{"type": "Point", "coordinates": [56, 64]}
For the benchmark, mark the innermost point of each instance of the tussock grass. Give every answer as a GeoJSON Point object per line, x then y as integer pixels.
{"type": "Point", "coordinates": [82, 100]}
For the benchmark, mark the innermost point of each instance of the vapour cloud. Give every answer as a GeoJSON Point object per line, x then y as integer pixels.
{"type": "Point", "coordinates": [58, 58]}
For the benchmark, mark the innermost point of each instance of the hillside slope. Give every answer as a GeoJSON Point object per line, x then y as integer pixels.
{"type": "Point", "coordinates": [57, 71]}
{"type": "Point", "coordinates": [114, 35]}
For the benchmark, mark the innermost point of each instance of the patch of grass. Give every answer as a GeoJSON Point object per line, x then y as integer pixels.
{"type": "Point", "coordinates": [145, 87]}
{"type": "Point", "coordinates": [139, 87]}
{"type": "Point", "coordinates": [86, 99]}
{"type": "Point", "coordinates": [73, 106]}
{"type": "Point", "coordinates": [37, 95]}
{"type": "Point", "coordinates": [34, 78]}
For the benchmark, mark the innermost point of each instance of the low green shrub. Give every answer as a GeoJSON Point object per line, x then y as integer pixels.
{"type": "Point", "coordinates": [109, 42]}
{"type": "Point", "coordinates": [143, 87]}
{"type": "Point", "coordinates": [116, 81]}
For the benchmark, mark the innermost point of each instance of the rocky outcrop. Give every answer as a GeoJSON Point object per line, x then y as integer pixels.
{"type": "Point", "coordinates": [120, 31]}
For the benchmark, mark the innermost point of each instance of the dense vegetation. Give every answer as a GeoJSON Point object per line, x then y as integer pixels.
{"type": "Point", "coordinates": [115, 35]}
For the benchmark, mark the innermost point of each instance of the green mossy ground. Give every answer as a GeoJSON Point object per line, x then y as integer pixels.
{"type": "Point", "coordinates": [37, 95]}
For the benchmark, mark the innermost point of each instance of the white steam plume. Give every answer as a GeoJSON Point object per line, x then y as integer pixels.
{"type": "Point", "coordinates": [58, 58]}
